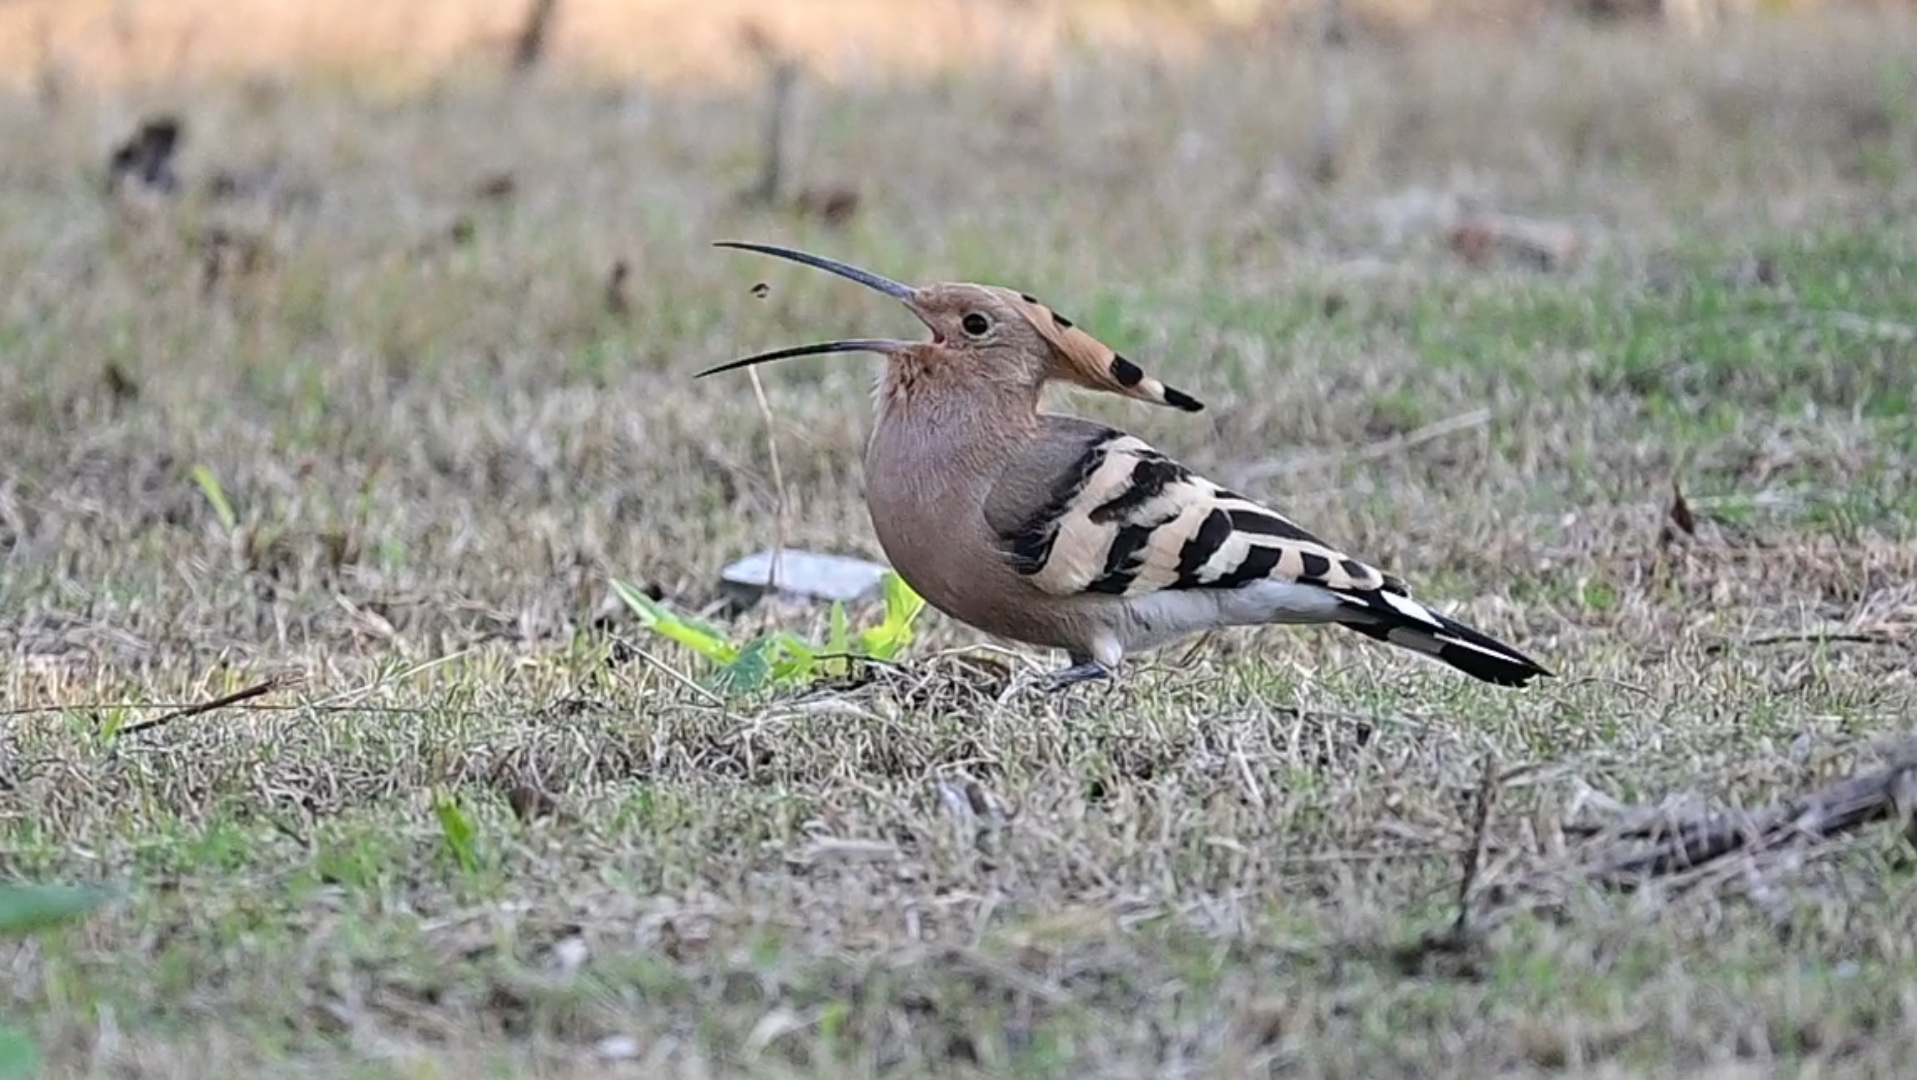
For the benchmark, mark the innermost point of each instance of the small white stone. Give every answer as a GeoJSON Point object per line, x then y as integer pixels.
{"type": "Point", "coordinates": [805, 574]}
{"type": "Point", "coordinates": [569, 955]}
{"type": "Point", "coordinates": [616, 1048]}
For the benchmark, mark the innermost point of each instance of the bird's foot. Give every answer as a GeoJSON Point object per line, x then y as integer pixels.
{"type": "Point", "coordinates": [1082, 669]}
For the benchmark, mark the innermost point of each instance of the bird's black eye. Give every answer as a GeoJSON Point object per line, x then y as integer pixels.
{"type": "Point", "coordinates": [975, 324]}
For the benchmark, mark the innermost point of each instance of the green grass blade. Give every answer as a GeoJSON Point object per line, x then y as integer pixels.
{"type": "Point", "coordinates": [456, 828]}
{"type": "Point", "coordinates": [216, 495]}
{"type": "Point", "coordinates": [703, 639]}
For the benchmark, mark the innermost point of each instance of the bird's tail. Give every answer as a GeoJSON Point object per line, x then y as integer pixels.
{"type": "Point", "coordinates": [1399, 620]}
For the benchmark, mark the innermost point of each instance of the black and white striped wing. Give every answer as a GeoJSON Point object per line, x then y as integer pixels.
{"type": "Point", "coordinates": [1126, 520]}
{"type": "Point", "coordinates": [1093, 510]}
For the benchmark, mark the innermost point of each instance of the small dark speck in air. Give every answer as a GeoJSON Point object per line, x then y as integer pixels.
{"type": "Point", "coordinates": [761, 289]}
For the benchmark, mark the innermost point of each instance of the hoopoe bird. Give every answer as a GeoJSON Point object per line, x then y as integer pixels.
{"type": "Point", "coordinates": [1056, 531]}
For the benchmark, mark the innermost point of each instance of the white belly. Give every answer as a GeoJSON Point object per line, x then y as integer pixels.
{"type": "Point", "coordinates": [1160, 618]}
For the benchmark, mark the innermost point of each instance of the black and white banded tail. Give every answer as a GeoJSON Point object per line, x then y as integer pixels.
{"type": "Point", "coordinates": [1396, 619]}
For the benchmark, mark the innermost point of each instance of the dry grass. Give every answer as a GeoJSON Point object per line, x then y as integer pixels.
{"type": "Point", "coordinates": [394, 350]}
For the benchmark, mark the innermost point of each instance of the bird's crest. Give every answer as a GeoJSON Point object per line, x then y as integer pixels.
{"type": "Point", "coordinates": [1091, 363]}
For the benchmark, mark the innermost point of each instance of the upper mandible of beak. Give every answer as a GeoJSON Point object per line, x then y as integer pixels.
{"type": "Point", "coordinates": [903, 293]}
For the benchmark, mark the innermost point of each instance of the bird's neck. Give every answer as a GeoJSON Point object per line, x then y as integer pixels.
{"type": "Point", "coordinates": [933, 427]}
{"type": "Point", "coordinates": [930, 465]}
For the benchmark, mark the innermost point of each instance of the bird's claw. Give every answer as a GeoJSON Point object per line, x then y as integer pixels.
{"type": "Point", "coordinates": [1081, 671]}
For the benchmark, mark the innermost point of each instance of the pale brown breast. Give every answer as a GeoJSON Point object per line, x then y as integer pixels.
{"type": "Point", "coordinates": [926, 487]}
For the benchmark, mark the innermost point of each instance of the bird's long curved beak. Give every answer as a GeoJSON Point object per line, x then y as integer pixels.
{"type": "Point", "coordinates": [876, 345]}
{"type": "Point", "coordinates": [866, 278]}
{"type": "Point", "coordinates": [903, 293]}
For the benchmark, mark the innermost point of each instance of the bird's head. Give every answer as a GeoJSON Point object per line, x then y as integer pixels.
{"type": "Point", "coordinates": [981, 335]}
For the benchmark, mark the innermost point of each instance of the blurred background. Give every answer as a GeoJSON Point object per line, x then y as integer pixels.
{"type": "Point", "coordinates": [698, 44]}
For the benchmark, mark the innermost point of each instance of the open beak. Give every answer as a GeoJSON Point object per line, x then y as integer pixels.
{"type": "Point", "coordinates": [902, 293]}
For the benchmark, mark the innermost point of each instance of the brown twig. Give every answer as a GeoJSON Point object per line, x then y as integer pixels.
{"type": "Point", "coordinates": [1828, 812]}
{"type": "Point", "coordinates": [782, 76]}
{"type": "Point", "coordinates": [529, 45]}
{"type": "Point", "coordinates": [96, 706]}
{"type": "Point", "coordinates": [671, 672]}
{"type": "Point", "coordinates": [616, 279]}
{"type": "Point", "coordinates": [783, 508]}
{"type": "Point", "coordinates": [1859, 637]}
{"type": "Point", "coordinates": [285, 680]}
{"type": "Point", "coordinates": [1474, 854]}
{"type": "Point", "coordinates": [1454, 947]}
{"type": "Point", "coordinates": [1334, 104]}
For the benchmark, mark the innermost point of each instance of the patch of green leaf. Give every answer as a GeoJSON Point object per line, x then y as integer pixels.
{"type": "Point", "coordinates": [457, 830]}
{"type": "Point", "coordinates": [701, 637]}
{"type": "Point", "coordinates": [781, 657]}
{"type": "Point", "coordinates": [209, 484]}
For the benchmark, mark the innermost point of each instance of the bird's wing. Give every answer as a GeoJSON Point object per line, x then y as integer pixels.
{"type": "Point", "coordinates": [1088, 509]}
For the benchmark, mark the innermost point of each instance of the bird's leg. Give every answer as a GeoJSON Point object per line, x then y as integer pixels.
{"type": "Point", "coordinates": [1083, 669]}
